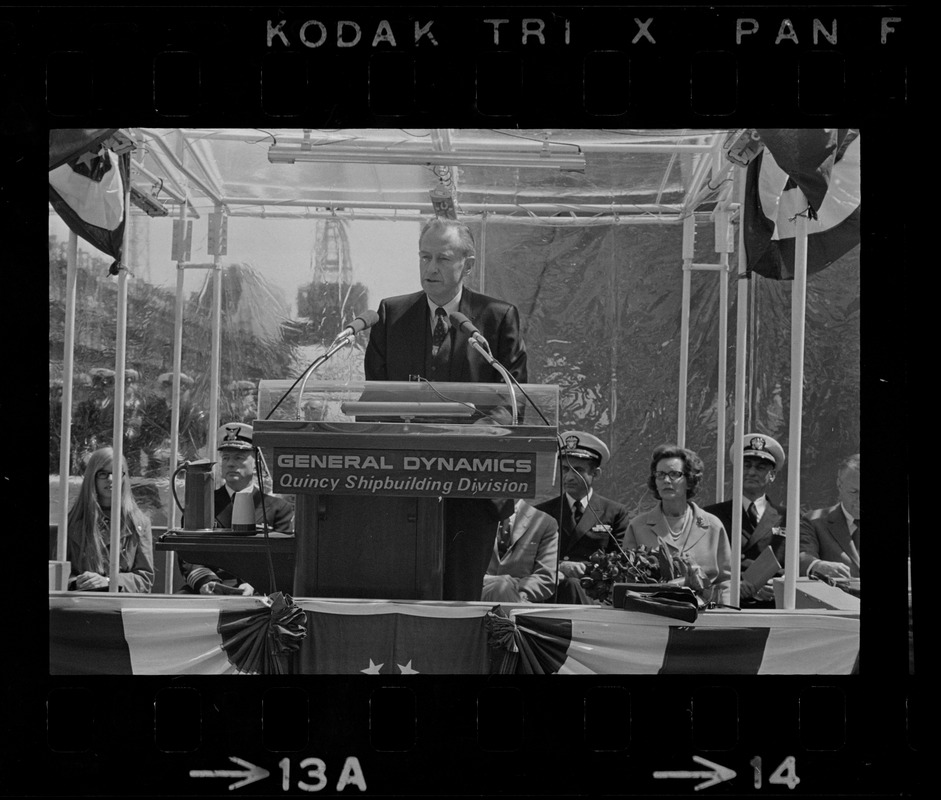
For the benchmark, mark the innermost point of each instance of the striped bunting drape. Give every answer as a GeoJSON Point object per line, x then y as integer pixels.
{"type": "Point", "coordinates": [170, 635]}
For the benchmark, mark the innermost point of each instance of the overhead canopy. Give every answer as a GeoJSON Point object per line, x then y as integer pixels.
{"type": "Point", "coordinates": [653, 174]}
{"type": "Point", "coordinates": [564, 252]}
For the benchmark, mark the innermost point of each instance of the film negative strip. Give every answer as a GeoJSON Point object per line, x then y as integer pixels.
{"type": "Point", "coordinates": [88, 717]}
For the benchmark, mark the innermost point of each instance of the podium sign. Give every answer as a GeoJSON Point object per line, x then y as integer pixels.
{"type": "Point", "coordinates": [407, 472]}
{"type": "Point", "coordinates": [402, 450]}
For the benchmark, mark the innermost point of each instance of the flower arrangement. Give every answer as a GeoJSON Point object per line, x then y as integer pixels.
{"type": "Point", "coordinates": [641, 565]}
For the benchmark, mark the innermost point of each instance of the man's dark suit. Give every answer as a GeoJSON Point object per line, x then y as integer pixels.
{"type": "Point", "coordinates": [400, 347]}
{"type": "Point", "coordinates": [400, 342]}
{"type": "Point", "coordinates": [826, 536]}
{"type": "Point", "coordinates": [755, 539]}
{"type": "Point", "coordinates": [279, 514]}
{"type": "Point", "coordinates": [577, 543]}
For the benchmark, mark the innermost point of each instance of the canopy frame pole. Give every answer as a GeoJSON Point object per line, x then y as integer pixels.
{"type": "Point", "coordinates": [482, 254]}
{"type": "Point", "coordinates": [117, 442]}
{"type": "Point", "coordinates": [68, 370]}
{"type": "Point", "coordinates": [172, 511]}
{"type": "Point", "coordinates": [741, 359]}
{"type": "Point", "coordinates": [723, 247]}
{"type": "Point", "coordinates": [614, 317]}
{"type": "Point", "coordinates": [689, 239]}
{"type": "Point", "coordinates": [798, 314]}
{"type": "Point", "coordinates": [215, 366]}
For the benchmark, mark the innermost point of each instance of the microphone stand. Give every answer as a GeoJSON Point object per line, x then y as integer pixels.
{"type": "Point", "coordinates": [504, 373]}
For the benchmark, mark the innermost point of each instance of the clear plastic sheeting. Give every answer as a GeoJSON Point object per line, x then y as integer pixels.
{"type": "Point", "coordinates": [592, 259]}
{"type": "Point", "coordinates": [644, 172]}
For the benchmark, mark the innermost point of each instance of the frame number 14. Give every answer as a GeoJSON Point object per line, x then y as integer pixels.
{"type": "Point", "coordinates": [785, 774]}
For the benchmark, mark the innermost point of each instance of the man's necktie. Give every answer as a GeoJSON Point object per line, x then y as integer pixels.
{"type": "Point", "coordinates": [503, 543]}
{"type": "Point", "coordinates": [440, 331]}
{"type": "Point", "coordinates": [753, 515]}
{"type": "Point", "coordinates": [856, 536]}
{"type": "Point", "coordinates": [577, 512]}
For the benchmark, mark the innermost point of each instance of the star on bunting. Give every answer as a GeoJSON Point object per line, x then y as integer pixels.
{"type": "Point", "coordinates": [407, 668]}
{"type": "Point", "coordinates": [372, 669]}
{"type": "Point", "coordinates": [89, 156]}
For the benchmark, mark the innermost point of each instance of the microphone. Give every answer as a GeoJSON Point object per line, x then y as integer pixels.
{"type": "Point", "coordinates": [480, 344]}
{"type": "Point", "coordinates": [365, 320]}
{"type": "Point", "coordinates": [458, 320]}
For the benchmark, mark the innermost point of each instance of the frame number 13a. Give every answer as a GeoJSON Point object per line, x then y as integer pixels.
{"type": "Point", "coordinates": [785, 774]}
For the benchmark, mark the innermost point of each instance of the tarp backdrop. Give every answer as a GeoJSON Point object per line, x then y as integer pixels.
{"type": "Point", "coordinates": [601, 318]}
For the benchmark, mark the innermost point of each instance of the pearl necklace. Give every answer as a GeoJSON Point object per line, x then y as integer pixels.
{"type": "Point", "coordinates": [675, 533]}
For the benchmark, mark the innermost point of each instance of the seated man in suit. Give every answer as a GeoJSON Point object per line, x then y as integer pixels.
{"type": "Point", "coordinates": [414, 338]}
{"type": "Point", "coordinates": [761, 459]}
{"type": "Point", "coordinates": [523, 565]}
{"type": "Point", "coordinates": [587, 521]}
{"type": "Point", "coordinates": [829, 540]}
{"type": "Point", "coordinates": [237, 465]}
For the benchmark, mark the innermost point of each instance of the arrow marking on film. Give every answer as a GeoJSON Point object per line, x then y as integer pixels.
{"type": "Point", "coordinates": [716, 774]}
{"type": "Point", "coordinates": [252, 774]}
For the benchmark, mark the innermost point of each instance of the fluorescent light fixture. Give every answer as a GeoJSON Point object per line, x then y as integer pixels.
{"type": "Point", "coordinates": [149, 205]}
{"type": "Point", "coordinates": [569, 162]}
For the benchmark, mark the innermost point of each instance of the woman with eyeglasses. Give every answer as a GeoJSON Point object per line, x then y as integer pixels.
{"type": "Point", "coordinates": [89, 537]}
{"type": "Point", "coordinates": [694, 537]}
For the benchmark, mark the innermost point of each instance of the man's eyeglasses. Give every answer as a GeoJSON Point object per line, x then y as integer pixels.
{"type": "Point", "coordinates": [673, 475]}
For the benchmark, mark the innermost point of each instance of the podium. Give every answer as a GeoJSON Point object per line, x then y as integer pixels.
{"type": "Point", "coordinates": [371, 463]}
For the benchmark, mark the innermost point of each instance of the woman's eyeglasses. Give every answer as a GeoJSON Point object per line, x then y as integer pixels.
{"type": "Point", "coordinates": [103, 476]}
{"type": "Point", "coordinates": [673, 475]}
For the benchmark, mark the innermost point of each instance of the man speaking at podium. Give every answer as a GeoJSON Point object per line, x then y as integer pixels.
{"type": "Point", "coordinates": [414, 338]}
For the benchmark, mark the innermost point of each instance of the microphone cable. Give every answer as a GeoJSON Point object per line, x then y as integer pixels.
{"type": "Point", "coordinates": [486, 346]}
{"type": "Point", "coordinates": [368, 321]}
{"type": "Point", "coordinates": [444, 397]}
{"type": "Point", "coordinates": [291, 387]}
{"type": "Point", "coordinates": [598, 520]}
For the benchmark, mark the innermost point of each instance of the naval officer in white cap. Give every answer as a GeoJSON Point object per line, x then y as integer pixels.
{"type": "Point", "coordinates": [762, 519]}
{"type": "Point", "coordinates": [235, 446]}
{"type": "Point", "coordinates": [587, 521]}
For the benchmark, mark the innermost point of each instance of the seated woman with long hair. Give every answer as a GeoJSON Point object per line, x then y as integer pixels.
{"type": "Point", "coordinates": [89, 538]}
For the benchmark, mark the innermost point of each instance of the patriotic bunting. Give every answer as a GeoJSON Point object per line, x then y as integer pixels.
{"type": "Point", "coordinates": [101, 635]}
{"type": "Point", "coordinates": [603, 641]}
{"type": "Point", "coordinates": [815, 173]}
{"type": "Point", "coordinates": [87, 187]}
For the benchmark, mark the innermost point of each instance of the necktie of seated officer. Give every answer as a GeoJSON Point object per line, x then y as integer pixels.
{"type": "Point", "coordinates": [753, 515]}
{"type": "Point", "coordinates": [856, 536]}
{"type": "Point", "coordinates": [577, 512]}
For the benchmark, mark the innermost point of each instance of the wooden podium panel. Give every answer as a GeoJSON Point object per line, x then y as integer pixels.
{"type": "Point", "coordinates": [369, 547]}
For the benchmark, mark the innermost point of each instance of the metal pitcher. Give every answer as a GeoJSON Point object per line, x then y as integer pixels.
{"type": "Point", "coordinates": [199, 512]}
